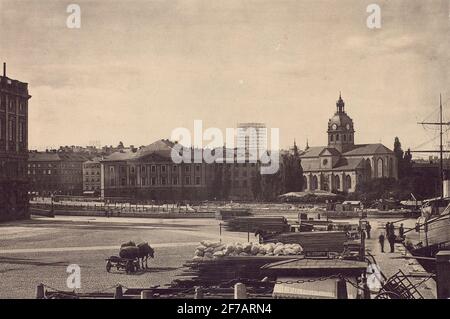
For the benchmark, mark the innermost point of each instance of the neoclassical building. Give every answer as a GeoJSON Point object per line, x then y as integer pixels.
{"type": "Point", "coordinates": [342, 164]}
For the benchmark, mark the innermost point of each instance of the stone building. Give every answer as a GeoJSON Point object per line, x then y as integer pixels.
{"type": "Point", "coordinates": [149, 173]}
{"type": "Point", "coordinates": [342, 164]}
{"type": "Point", "coordinates": [13, 148]}
{"type": "Point", "coordinates": [55, 172]}
{"type": "Point", "coordinates": [92, 176]}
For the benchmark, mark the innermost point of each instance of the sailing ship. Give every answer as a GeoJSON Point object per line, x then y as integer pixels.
{"type": "Point", "coordinates": [434, 223]}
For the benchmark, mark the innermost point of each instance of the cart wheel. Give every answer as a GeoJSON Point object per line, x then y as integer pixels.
{"type": "Point", "coordinates": [108, 266]}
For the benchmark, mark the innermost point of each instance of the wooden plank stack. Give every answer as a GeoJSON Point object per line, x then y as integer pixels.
{"type": "Point", "coordinates": [225, 271]}
{"type": "Point", "coordinates": [251, 224]}
{"type": "Point", "coordinates": [320, 241]}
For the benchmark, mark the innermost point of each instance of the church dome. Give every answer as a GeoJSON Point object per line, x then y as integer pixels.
{"type": "Point", "coordinates": [340, 119]}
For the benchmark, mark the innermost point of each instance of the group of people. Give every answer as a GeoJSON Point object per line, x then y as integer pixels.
{"type": "Point", "coordinates": [391, 236]}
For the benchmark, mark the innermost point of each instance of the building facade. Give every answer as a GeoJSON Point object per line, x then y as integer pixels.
{"type": "Point", "coordinates": [13, 148]}
{"type": "Point", "coordinates": [92, 176]}
{"type": "Point", "coordinates": [55, 173]}
{"type": "Point", "coordinates": [149, 173]}
{"type": "Point", "coordinates": [342, 164]}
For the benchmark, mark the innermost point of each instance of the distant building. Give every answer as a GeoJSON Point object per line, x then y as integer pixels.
{"type": "Point", "coordinates": [252, 137]}
{"type": "Point", "coordinates": [342, 164]}
{"type": "Point", "coordinates": [150, 173]}
{"type": "Point", "coordinates": [55, 172]}
{"type": "Point", "coordinates": [13, 148]}
{"type": "Point", "coordinates": [92, 176]}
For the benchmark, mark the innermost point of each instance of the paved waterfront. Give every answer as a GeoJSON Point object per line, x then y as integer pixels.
{"type": "Point", "coordinates": [39, 250]}
{"type": "Point", "coordinates": [390, 263]}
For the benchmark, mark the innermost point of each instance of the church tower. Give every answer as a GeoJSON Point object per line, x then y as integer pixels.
{"type": "Point", "coordinates": [340, 129]}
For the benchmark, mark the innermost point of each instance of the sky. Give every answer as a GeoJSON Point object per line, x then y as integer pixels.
{"type": "Point", "coordinates": [136, 70]}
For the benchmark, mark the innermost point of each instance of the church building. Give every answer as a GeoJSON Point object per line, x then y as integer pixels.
{"type": "Point", "coordinates": [342, 164]}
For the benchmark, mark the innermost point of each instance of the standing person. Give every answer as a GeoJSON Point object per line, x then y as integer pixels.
{"type": "Point", "coordinates": [401, 231]}
{"type": "Point", "coordinates": [391, 239]}
{"type": "Point", "coordinates": [392, 229]}
{"type": "Point", "coordinates": [381, 241]}
{"type": "Point", "coordinates": [387, 228]}
{"type": "Point", "coordinates": [368, 229]}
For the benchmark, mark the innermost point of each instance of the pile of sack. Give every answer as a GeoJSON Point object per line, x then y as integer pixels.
{"type": "Point", "coordinates": [212, 249]}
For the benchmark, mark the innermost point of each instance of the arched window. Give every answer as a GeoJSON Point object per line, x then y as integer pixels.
{"type": "Point", "coordinates": [314, 182]}
{"type": "Point", "coordinates": [337, 182]}
{"type": "Point", "coordinates": [368, 168]}
{"type": "Point", "coordinates": [331, 137]}
{"type": "Point", "coordinates": [380, 168]}
{"type": "Point", "coordinates": [348, 182]}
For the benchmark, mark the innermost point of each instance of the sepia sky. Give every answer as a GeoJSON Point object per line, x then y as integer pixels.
{"type": "Point", "coordinates": [137, 69]}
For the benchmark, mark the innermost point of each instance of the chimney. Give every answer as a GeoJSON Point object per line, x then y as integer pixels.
{"type": "Point", "coordinates": [4, 69]}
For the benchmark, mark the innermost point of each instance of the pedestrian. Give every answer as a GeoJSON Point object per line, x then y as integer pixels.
{"type": "Point", "coordinates": [392, 229]}
{"type": "Point", "coordinates": [368, 229]}
{"type": "Point", "coordinates": [391, 239]}
{"type": "Point", "coordinates": [387, 228]}
{"type": "Point", "coordinates": [401, 231]}
{"type": "Point", "coordinates": [381, 241]}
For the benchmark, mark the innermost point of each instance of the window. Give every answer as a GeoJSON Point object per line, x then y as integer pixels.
{"type": "Point", "coordinates": [163, 168]}
{"type": "Point", "coordinates": [187, 168]}
{"type": "Point", "coordinates": [163, 181]}
{"type": "Point", "coordinates": [174, 168]}
{"type": "Point", "coordinates": [143, 181]}
{"type": "Point", "coordinates": [175, 181]}
{"type": "Point", "coordinates": [123, 182]}
{"type": "Point", "coordinates": [187, 180]}
{"type": "Point", "coordinates": [345, 137]}
{"type": "Point", "coordinates": [153, 168]}
{"type": "Point", "coordinates": [11, 129]}
{"type": "Point", "coordinates": [49, 172]}
{"type": "Point", "coordinates": [197, 180]}
{"type": "Point", "coordinates": [153, 180]}
{"type": "Point", "coordinates": [337, 137]}
{"type": "Point", "coordinates": [21, 131]}
{"type": "Point", "coordinates": [197, 168]}
{"type": "Point", "coordinates": [331, 138]}
{"type": "Point", "coordinates": [380, 167]}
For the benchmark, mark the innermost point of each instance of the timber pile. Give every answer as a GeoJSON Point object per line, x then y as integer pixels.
{"type": "Point", "coordinates": [320, 241]}
{"type": "Point", "coordinates": [251, 224]}
{"type": "Point", "coordinates": [226, 271]}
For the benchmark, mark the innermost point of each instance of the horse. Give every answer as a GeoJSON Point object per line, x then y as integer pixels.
{"type": "Point", "coordinates": [145, 251]}
{"type": "Point", "coordinates": [140, 251]}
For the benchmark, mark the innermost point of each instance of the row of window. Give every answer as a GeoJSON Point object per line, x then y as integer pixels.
{"type": "Point", "coordinates": [12, 103]}
{"type": "Point", "coordinates": [345, 137]}
{"type": "Point", "coordinates": [157, 181]}
{"type": "Point", "coordinates": [92, 173]}
{"type": "Point", "coordinates": [12, 130]}
{"type": "Point", "coordinates": [93, 180]}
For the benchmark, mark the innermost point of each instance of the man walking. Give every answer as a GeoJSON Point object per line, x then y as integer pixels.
{"type": "Point", "coordinates": [381, 241]}
{"type": "Point", "coordinates": [368, 229]}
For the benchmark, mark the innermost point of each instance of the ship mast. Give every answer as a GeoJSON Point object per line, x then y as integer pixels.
{"type": "Point", "coordinates": [441, 147]}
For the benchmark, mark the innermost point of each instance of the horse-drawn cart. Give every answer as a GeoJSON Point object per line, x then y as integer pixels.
{"type": "Point", "coordinates": [129, 265]}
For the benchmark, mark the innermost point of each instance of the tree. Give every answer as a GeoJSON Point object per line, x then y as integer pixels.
{"type": "Point", "coordinates": [292, 171]}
